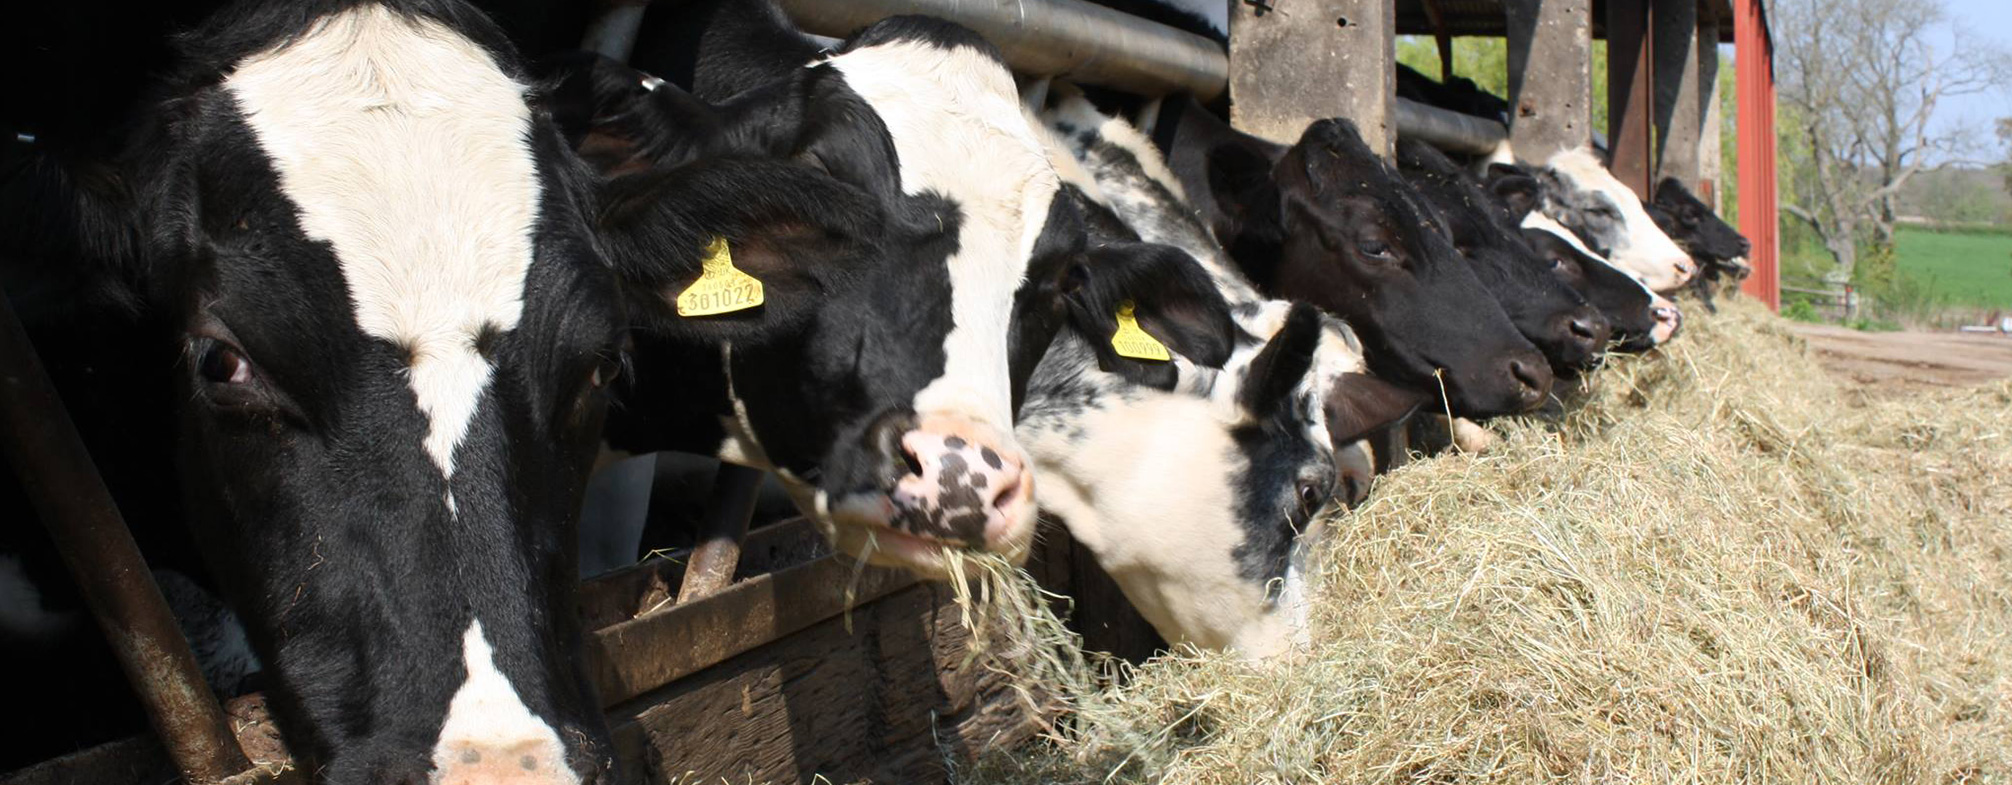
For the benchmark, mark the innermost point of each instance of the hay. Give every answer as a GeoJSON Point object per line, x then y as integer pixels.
{"type": "Point", "coordinates": [1720, 566]}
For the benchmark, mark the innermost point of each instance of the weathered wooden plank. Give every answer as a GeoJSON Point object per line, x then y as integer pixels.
{"type": "Point", "coordinates": [1292, 63]}
{"type": "Point", "coordinates": [1630, 92]}
{"type": "Point", "coordinates": [1680, 111]}
{"type": "Point", "coordinates": [886, 702]}
{"type": "Point", "coordinates": [1550, 77]}
{"type": "Point", "coordinates": [651, 584]}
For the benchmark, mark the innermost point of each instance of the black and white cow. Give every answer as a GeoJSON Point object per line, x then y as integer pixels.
{"type": "Point", "coordinates": [921, 118]}
{"type": "Point", "coordinates": [1128, 176]}
{"type": "Point", "coordinates": [1328, 222]}
{"type": "Point", "coordinates": [1719, 250]}
{"type": "Point", "coordinates": [1582, 196]}
{"type": "Point", "coordinates": [1640, 318]}
{"type": "Point", "coordinates": [1572, 334]}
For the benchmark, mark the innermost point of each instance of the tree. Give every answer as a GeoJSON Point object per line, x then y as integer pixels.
{"type": "Point", "coordinates": [2005, 141]}
{"type": "Point", "coordinates": [1860, 81]}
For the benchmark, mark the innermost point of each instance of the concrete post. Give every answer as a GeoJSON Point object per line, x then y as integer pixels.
{"type": "Point", "coordinates": [1550, 76]}
{"type": "Point", "coordinates": [1302, 60]}
{"type": "Point", "coordinates": [1711, 155]}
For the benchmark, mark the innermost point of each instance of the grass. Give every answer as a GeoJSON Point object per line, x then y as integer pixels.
{"type": "Point", "coordinates": [1968, 268]}
{"type": "Point", "coordinates": [1719, 566]}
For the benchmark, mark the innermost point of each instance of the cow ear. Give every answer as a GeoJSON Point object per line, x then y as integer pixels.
{"type": "Point", "coordinates": [1241, 182]}
{"type": "Point", "coordinates": [792, 229]}
{"type": "Point", "coordinates": [1174, 300]}
{"type": "Point", "coordinates": [73, 217]}
{"type": "Point", "coordinates": [1361, 405]}
{"type": "Point", "coordinates": [620, 119]}
{"type": "Point", "coordinates": [1518, 192]}
{"type": "Point", "coordinates": [1282, 363]}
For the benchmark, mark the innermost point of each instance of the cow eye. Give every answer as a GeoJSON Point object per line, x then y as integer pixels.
{"type": "Point", "coordinates": [222, 363]}
{"type": "Point", "coordinates": [607, 368]}
{"type": "Point", "coordinates": [1311, 497]}
{"type": "Point", "coordinates": [1374, 249]}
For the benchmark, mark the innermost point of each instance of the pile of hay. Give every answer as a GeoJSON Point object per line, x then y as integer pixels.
{"type": "Point", "coordinates": [1722, 566]}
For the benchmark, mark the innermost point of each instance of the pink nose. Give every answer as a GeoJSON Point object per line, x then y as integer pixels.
{"type": "Point", "coordinates": [531, 762]}
{"type": "Point", "coordinates": [1668, 320]}
{"type": "Point", "coordinates": [960, 487]}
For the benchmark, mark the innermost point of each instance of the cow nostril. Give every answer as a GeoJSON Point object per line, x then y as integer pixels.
{"type": "Point", "coordinates": [910, 460]}
{"type": "Point", "coordinates": [1525, 374]}
{"type": "Point", "coordinates": [1582, 329]}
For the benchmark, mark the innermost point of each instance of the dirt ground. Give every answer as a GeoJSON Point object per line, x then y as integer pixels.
{"type": "Point", "coordinates": [1903, 361]}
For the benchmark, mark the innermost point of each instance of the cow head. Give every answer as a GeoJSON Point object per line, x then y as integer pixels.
{"type": "Point", "coordinates": [1218, 558]}
{"type": "Point", "coordinates": [1710, 241]}
{"type": "Point", "coordinates": [1581, 195]}
{"type": "Point", "coordinates": [1636, 314]}
{"type": "Point", "coordinates": [1331, 223]}
{"type": "Point", "coordinates": [1572, 334]}
{"type": "Point", "coordinates": [397, 342]}
{"type": "Point", "coordinates": [923, 254]}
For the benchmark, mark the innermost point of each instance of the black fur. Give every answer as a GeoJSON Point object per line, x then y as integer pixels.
{"type": "Point", "coordinates": [1572, 334]}
{"type": "Point", "coordinates": [1329, 222]}
{"type": "Point", "coordinates": [1626, 304]}
{"type": "Point", "coordinates": [1716, 246]}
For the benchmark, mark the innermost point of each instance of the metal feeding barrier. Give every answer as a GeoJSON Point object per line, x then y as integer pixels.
{"type": "Point", "coordinates": [1098, 46]}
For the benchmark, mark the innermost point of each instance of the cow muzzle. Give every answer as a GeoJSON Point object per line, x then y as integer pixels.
{"type": "Point", "coordinates": [954, 484]}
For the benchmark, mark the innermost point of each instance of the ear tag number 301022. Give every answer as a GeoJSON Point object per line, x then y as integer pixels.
{"type": "Point", "coordinates": [1133, 342]}
{"type": "Point", "coordinates": [721, 287]}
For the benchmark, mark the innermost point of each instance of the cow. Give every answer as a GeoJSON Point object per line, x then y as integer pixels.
{"type": "Point", "coordinates": [1581, 195]}
{"type": "Point", "coordinates": [1327, 221]}
{"type": "Point", "coordinates": [1456, 93]}
{"type": "Point", "coordinates": [1205, 512]}
{"type": "Point", "coordinates": [1719, 250]}
{"type": "Point", "coordinates": [1572, 334]}
{"type": "Point", "coordinates": [1127, 176]}
{"type": "Point", "coordinates": [1640, 318]}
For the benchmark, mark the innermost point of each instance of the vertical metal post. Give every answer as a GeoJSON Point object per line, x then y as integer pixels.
{"type": "Point", "coordinates": [1630, 92]}
{"type": "Point", "coordinates": [1679, 82]}
{"type": "Point", "coordinates": [1550, 76]}
{"type": "Point", "coordinates": [1758, 217]}
{"type": "Point", "coordinates": [70, 498]}
{"type": "Point", "coordinates": [1313, 59]}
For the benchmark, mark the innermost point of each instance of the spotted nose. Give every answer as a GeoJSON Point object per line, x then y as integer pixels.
{"type": "Point", "coordinates": [1668, 320]}
{"type": "Point", "coordinates": [960, 486]}
{"type": "Point", "coordinates": [502, 763]}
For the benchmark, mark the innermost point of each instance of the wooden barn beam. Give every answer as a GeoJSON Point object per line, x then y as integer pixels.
{"type": "Point", "coordinates": [1680, 91]}
{"type": "Point", "coordinates": [1711, 156]}
{"type": "Point", "coordinates": [1630, 92]}
{"type": "Point", "coordinates": [1550, 76]}
{"type": "Point", "coordinates": [1292, 63]}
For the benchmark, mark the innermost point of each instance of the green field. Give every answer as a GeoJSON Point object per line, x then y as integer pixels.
{"type": "Point", "coordinates": [1969, 269]}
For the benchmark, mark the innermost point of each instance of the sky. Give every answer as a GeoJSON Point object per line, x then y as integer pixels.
{"type": "Point", "coordinates": [1984, 19]}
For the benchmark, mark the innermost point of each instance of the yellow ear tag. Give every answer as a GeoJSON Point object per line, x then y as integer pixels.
{"type": "Point", "coordinates": [1133, 342]}
{"type": "Point", "coordinates": [721, 287]}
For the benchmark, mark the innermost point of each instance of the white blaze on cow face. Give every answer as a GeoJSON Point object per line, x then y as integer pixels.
{"type": "Point", "coordinates": [1636, 243]}
{"type": "Point", "coordinates": [959, 131]}
{"type": "Point", "coordinates": [490, 737]}
{"type": "Point", "coordinates": [405, 148]}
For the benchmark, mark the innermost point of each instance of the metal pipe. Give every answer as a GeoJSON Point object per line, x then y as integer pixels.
{"type": "Point", "coordinates": [721, 531]}
{"type": "Point", "coordinates": [1086, 43]}
{"type": "Point", "coordinates": [71, 500]}
{"type": "Point", "coordinates": [1448, 130]}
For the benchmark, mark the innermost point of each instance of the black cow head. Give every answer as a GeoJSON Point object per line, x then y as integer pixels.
{"type": "Point", "coordinates": [1329, 222]}
{"type": "Point", "coordinates": [374, 251]}
{"type": "Point", "coordinates": [1572, 334]}
{"type": "Point", "coordinates": [1640, 318]}
{"type": "Point", "coordinates": [1710, 241]}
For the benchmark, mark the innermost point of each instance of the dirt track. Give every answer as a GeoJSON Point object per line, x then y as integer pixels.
{"type": "Point", "coordinates": [1898, 362]}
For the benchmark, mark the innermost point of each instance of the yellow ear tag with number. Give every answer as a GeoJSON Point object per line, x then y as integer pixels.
{"type": "Point", "coordinates": [721, 287]}
{"type": "Point", "coordinates": [1133, 342]}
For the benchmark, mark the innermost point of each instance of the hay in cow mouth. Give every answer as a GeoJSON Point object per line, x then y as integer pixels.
{"type": "Point", "coordinates": [1720, 566]}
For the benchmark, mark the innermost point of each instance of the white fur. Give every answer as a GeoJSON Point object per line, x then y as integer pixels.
{"type": "Point", "coordinates": [959, 130]}
{"type": "Point", "coordinates": [1642, 247]}
{"type": "Point", "coordinates": [1149, 491]}
{"type": "Point", "coordinates": [486, 718]}
{"type": "Point", "coordinates": [404, 147]}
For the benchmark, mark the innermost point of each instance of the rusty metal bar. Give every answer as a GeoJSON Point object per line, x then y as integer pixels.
{"type": "Point", "coordinates": [725, 525]}
{"type": "Point", "coordinates": [71, 500]}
